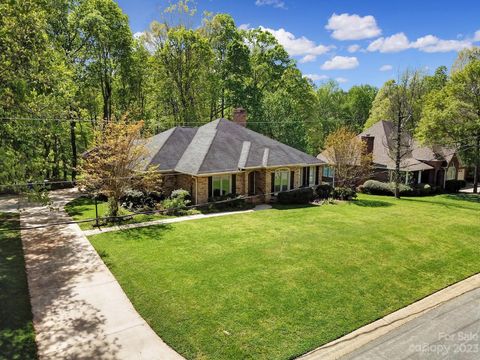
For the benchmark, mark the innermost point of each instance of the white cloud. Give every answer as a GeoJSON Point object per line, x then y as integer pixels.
{"type": "Point", "coordinates": [340, 63]}
{"type": "Point", "coordinates": [274, 3]}
{"type": "Point", "coordinates": [386, 67]}
{"type": "Point", "coordinates": [432, 44]}
{"type": "Point", "coordinates": [341, 80]}
{"type": "Point", "coordinates": [298, 46]}
{"type": "Point", "coordinates": [353, 48]}
{"type": "Point", "coordinates": [394, 43]}
{"type": "Point", "coordinates": [308, 58]}
{"type": "Point", "coordinates": [138, 34]}
{"type": "Point", "coordinates": [429, 43]}
{"type": "Point", "coordinates": [316, 77]}
{"type": "Point", "coordinates": [353, 27]}
{"type": "Point", "coordinates": [244, 26]}
{"type": "Point", "coordinates": [476, 37]}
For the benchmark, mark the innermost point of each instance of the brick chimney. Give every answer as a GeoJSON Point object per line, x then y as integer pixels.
{"type": "Point", "coordinates": [369, 141]}
{"type": "Point", "coordinates": [240, 116]}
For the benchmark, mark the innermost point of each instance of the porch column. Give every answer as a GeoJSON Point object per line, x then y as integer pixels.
{"type": "Point", "coordinates": [419, 176]}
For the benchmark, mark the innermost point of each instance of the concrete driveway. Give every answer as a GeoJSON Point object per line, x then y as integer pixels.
{"type": "Point", "coordinates": [79, 309]}
{"type": "Point", "coordinates": [450, 331]}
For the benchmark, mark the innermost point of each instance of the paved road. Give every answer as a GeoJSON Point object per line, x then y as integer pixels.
{"type": "Point", "coordinates": [79, 309]}
{"type": "Point", "coordinates": [450, 331]}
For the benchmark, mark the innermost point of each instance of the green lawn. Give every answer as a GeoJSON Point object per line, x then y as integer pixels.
{"type": "Point", "coordinates": [275, 284]}
{"type": "Point", "coordinates": [17, 339]}
{"type": "Point", "coordinates": [83, 208]}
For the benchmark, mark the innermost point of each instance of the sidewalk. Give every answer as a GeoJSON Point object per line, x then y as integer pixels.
{"type": "Point", "coordinates": [79, 309]}
{"type": "Point", "coordinates": [172, 220]}
{"type": "Point", "coordinates": [356, 339]}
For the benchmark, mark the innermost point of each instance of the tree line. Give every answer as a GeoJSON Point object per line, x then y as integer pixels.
{"type": "Point", "coordinates": [70, 67]}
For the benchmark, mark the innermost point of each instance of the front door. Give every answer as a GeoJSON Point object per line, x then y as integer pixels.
{"type": "Point", "coordinates": [251, 183]}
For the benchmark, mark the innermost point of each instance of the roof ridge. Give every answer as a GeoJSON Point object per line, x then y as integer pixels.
{"type": "Point", "coordinates": [211, 141]}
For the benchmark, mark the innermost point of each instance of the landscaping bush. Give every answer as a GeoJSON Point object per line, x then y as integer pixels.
{"type": "Point", "coordinates": [177, 202]}
{"type": "Point", "coordinates": [453, 186]}
{"type": "Point", "coordinates": [138, 200]}
{"type": "Point", "coordinates": [375, 187]}
{"type": "Point", "coordinates": [297, 196]}
{"type": "Point", "coordinates": [324, 191]}
{"type": "Point", "coordinates": [344, 193]}
{"type": "Point", "coordinates": [423, 189]}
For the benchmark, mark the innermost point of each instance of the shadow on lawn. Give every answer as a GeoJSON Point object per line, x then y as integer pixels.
{"type": "Point", "coordinates": [475, 198]}
{"type": "Point", "coordinates": [460, 201]}
{"type": "Point", "coordinates": [370, 203]}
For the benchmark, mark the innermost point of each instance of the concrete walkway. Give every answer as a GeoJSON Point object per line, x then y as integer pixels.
{"type": "Point", "coordinates": [173, 220]}
{"type": "Point", "coordinates": [362, 336]}
{"type": "Point", "coordinates": [79, 309]}
{"type": "Point", "coordinates": [450, 331]}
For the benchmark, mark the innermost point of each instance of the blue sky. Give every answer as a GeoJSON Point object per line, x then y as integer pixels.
{"type": "Point", "coordinates": [353, 41]}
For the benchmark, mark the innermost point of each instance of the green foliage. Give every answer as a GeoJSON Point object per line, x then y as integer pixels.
{"type": "Point", "coordinates": [344, 193]}
{"type": "Point", "coordinates": [177, 203]}
{"type": "Point", "coordinates": [453, 186]}
{"type": "Point", "coordinates": [296, 196]}
{"type": "Point", "coordinates": [324, 191]}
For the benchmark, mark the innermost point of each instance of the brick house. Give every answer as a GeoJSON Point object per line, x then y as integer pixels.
{"type": "Point", "coordinates": [224, 157]}
{"type": "Point", "coordinates": [421, 164]}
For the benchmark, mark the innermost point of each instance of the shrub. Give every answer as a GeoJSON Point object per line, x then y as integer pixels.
{"type": "Point", "coordinates": [375, 187]}
{"type": "Point", "coordinates": [453, 186]}
{"type": "Point", "coordinates": [138, 200]}
{"type": "Point", "coordinates": [297, 196]}
{"type": "Point", "coordinates": [423, 189]}
{"type": "Point", "coordinates": [344, 193]}
{"type": "Point", "coordinates": [177, 202]}
{"type": "Point", "coordinates": [324, 191]}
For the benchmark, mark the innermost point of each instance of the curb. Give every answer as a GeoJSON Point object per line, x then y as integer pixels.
{"type": "Point", "coordinates": [356, 339]}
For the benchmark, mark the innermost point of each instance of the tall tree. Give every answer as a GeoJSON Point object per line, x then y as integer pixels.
{"type": "Point", "coordinates": [403, 110]}
{"type": "Point", "coordinates": [452, 114]}
{"type": "Point", "coordinates": [109, 43]}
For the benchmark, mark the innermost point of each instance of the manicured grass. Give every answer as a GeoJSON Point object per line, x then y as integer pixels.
{"type": "Point", "coordinates": [17, 338]}
{"type": "Point", "coordinates": [83, 208]}
{"type": "Point", "coordinates": [275, 284]}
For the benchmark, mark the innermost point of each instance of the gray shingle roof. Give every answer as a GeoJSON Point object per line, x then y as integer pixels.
{"type": "Point", "coordinates": [383, 131]}
{"type": "Point", "coordinates": [220, 146]}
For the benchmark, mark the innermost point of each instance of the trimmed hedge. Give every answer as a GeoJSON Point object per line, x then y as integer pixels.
{"type": "Point", "coordinates": [375, 187]}
{"type": "Point", "coordinates": [324, 191]}
{"type": "Point", "coordinates": [297, 196]}
{"type": "Point", "coordinates": [453, 186]}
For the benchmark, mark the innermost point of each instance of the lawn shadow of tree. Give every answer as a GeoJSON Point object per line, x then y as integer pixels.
{"type": "Point", "coordinates": [475, 198]}
{"type": "Point", "coordinates": [370, 203]}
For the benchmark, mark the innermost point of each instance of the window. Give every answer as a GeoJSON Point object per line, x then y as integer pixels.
{"type": "Point", "coordinates": [281, 180]}
{"type": "Point", "coordinates": [451, 173]}
{"type": "Point", "coordinates": [327, 172]}
{"type": "Point", "coordinates": [311, 176]}
{"type": "Point", "coordinates": [221, 185]}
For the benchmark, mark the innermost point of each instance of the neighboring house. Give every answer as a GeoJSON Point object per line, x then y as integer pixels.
{"type": "Point", "coordinates": [422, 164]}
{"type": "Point", "coordinates": [223, 158]}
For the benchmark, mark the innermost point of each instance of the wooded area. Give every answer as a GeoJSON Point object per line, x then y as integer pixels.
{"type": "Point", "coordinates": [69, 67]}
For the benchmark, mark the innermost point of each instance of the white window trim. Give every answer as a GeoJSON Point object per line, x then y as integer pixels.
{"type": "Point", "coordinates": [221, 177]}
{"type": "Point", "coordinates": [287, 170]}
